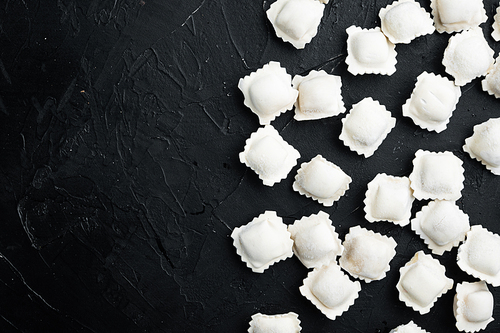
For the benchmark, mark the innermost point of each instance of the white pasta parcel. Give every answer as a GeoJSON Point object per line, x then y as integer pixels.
{"type": "Point", "coordinates": [484, 144]}
{"type": "Point", "coordinates": [457, 15]}
{"type": "Point", "coordinates": [279, 323]}
{"type": "Point", "coordinates": [473, 306]}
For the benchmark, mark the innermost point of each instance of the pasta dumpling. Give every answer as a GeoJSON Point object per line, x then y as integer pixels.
{"type": "Point", "coordinates": [484, 144]}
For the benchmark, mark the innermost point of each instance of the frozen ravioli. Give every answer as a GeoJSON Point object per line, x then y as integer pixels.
{"type": "Point", "coordinates": [411, 327]}
{"type": "Point", "coordinates": [422, 281]}
{"type": "Point", "coordinates": [271, 157]}
{"type": "Point", "coordinates": [319, 96]}
{"type": "Point", "coordinates": [442, 225]}
{"type": "Point", "coordinates": [437, 176]}
{"type": "Point", "coordinates": [467, 56]}
{"type": "Point", "coordinates": [315, 241]}
{"type": "Point", "coordinates": [321, 180]}
{"type": "Point", "coordinates": [457, 15]}
{"type": "Point", "coordinates": [330, 290]}
{"type": "Point", "coordinates": [280, 323]}
{"type": "Point", "coordinates": [484, 144]}
{"type": "Point", "coordinates": [432, 102]}
{"type": "Point", "coordinates": [491, 82]}
{"type": "Point", "coordinates": [369, 52]}
{"type": "Point", "coordinates": [367, 254]}
{"type": "Point", "coordinates": [496, 25]}
{"type": "Point", "coordinates": [296, 21]}
{"type": "Point", "coordinates": [404, 20]}
{"type": "Point", "coordinates": [268, 92]}
{"type": "Point", "coordinates": [366, 126]}
{"type": "Point", "coordinates": [473, 306]}
{"type": "Point", "coordinates": [389, 198]}
{"type": "Point", "coordinates": [263, 242]}
{"type": "Point", "coordinates": [478, 255]}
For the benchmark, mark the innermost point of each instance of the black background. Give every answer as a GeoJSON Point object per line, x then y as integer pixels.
{"type": "Point", "coordinates": [120, 183]}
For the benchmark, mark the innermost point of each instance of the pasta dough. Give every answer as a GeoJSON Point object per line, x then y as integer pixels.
{"type": "Point", "coordinates": [269, 155]}
{"type": "Point", "coordinates": [437, 176]}
{"type": "Point", "coordinates": [404, 20]}
{"type": "Point", "coordinates": [473, 306]}
{"type": "Point", "coordinates": [442, 225]}
{"type": "Point", "coordinates": [484, 144]}
{"type": "Point", "coordinates": [432, 102]}
{"type": "Point", "coordinates": [330, 290]}
{"type": "Point", "coordinates": [296, 21]}
{"type": "Point", "coordinates": [457, 15]}
{"type": "Point", "coordinates": [263, 242]}
{"type": "Point", "coordinates": [280, 323]}
{"type": "Point", "coordinates": [478, 255]}
{"type": "Point", "coordinates": [268, 92]}
{"type": "Point", "coordinates": [319, 96]}
{"type": "Point", "coordinates": [422, 281]}
{"type": "Point", "coordinates": [315, 241]}
{"type": "Point", "coordinates": [321, 180]}
{"type": "Point", "coordinates": [366, 126]}
{"type": "Point", "coordinates": [367, 254]}
{"type": "Point", "coordinates": [369, 52]}
{"type": "Point", "coordinates": [389, 198]}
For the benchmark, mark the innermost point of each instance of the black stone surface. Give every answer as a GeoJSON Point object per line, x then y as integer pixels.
{"type": "Point", "coordinates": [120, 183]}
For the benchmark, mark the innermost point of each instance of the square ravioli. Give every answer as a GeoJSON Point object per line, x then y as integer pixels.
{"type": "Point", "coordinates": [467, 56]}
{"type": "Point", "coordinates": [280, 323]}
{"type": "Point", "coordinates": [268, 92]}
{"type": "Point", "coordinates": [491, 82]}
{"type": "Point", "coordinates": [263, 242]}
{"type": "Point", "coordinates": [437, 176]}
{"type": "Point", "coordinates": [366, 126]}
{"type": "Point", "coordinates": [496, 26]}
{"type": "Point", "coordinates": [320, 96]}
{"type": "Point", "coordinates": [442, 225]}
{"type": "Point", "coordinates": [315, 241]}
{"type": "Point", "coordinates": [422, 281]}
{"type": "Point", "coordinates": [389, 198]}
{"type": "Point", "coordinates": [411, 327]}
{"type": "Point", "coordinates": [369, 52]}
{"type": "Point", "coordinates": [296, 21]}
{"type": "Point", "coordinates": [473, 306]}
{"type": "Point", "coordinates": [404, 20]}
{"type": "Point", "coordinates": [321, 180]}
{"type": "Point", "coordinates": [367, 254]}
{"type": "Point", "coordinates": [330, 290]}
{"type": "Point", "coordinates": [478, 255]}
{"type": "Point", "coordinates": [432, 102]}
{"type": "Point", "coordinates": [457, 15]}
{"type": "Point", "coordinates": [271, 157]}
{"type": "Point", "coordinates": [484, 144]}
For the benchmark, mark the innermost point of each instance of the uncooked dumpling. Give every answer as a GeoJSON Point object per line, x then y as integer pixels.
{"type": "Point", "coordinates": [484, 144]}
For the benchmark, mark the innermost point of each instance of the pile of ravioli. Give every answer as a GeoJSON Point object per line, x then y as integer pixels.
{"type": "Point", "coordinates": [336, 266]}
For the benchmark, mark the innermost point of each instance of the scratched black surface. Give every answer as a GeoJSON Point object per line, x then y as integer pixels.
{"type": "Point", "coordinates": [120, 184]}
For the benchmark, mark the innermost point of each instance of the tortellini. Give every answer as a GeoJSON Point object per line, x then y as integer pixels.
{"type": "Point", "coordinates": [280, 323]}
{"type": "Point", "coordinates": [263, 242]}
{"type": "Point", "coordinates": [484, 144]}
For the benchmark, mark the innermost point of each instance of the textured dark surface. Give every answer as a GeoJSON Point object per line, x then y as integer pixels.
{"type": "Point", "coordinates": [120, 184]}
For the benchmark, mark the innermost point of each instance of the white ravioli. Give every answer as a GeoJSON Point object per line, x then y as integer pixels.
{"type": "Point", "coordinates": [479, 255]}
{"type": "Point", "coordinates": [432, 102]}
{"type": "Point", "coordinates": [496, 26]}
{"type": "Point", "coordinates": [367, 254]}
{"type": "Point", "coordinates": [457, 15]}
{"type": "Point", "coordinates": [422, 281]}
{"type": "Point", "coordinates": [442, 225]}
{"type": "Point", "coordinates": [411, 327]}
{"type": "Point", "coordinates": [491, 82]}
{"type": "Point", "coordinates": [389, 198]}
{"type": "Point", "coordinates": [473, 306]}
{"type": "Point", "coordinates": [271, 157]}
{"type": "Point", "coordinates": [330, 290]}
{"type": "Point", "coordinates": [315, 241]}
{"type": "Point", "coordinates": [404, 20]}
{"type": "Point", "coordinates": [467, 56]}
{"type": "Point", "coordinates": [366, 126]}
{"type": "Point", "coordinates": [321, 180]}
{"type": "Point", "coordinates": [280, 323]}
{"type": "Point", "coordinates": [437, 176]}
{"type": "Point", "coordinates": [263, 242]}
{"type": "Point", "coordinates": [320, 96]}
{"type": "Point", "coordinates": [296, 21]}
{"type": "Point", "coordinates": [484, 144]}
{"type": "Point", "coordinates": [369, 52]}
{"type": "Point", "coordinates": [268, 92]}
